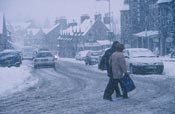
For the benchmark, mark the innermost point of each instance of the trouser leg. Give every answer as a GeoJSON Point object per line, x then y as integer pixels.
{"type": "Point", "coordinates": [117, 90]}
{"type": "Point", "coordinates": [109, 89]}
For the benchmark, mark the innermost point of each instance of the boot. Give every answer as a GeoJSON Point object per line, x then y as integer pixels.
{"type": "Point", "coordinates": [108, 98]}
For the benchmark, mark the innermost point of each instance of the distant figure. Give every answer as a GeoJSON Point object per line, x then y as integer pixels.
{"type": "Point", "coordinates": [104, 65]}
{"type": "Point", "coordinates": [119, 68]}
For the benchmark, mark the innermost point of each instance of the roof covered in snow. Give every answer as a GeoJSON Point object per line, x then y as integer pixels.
{"type": "Point", "coordinates": [163, 1]}
{"type": "Point", "coordinates": [1, 23]}
{"type": "Point", "coordinates": [146, 33]}
{"type": "Point", "coordinates": [52, 28]}
{"type": "Point", "coordinates": [86, 25]}
{"type": "Point", "coordinates": [82, 28]}
{"type": "Point", "coordinates": [46, 30]}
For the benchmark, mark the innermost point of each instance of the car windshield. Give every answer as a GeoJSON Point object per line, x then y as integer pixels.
{"type": "Point", "coordinates": [96, 53]}
{"type": "Point", "coordinates": [39, 55]}
{"type": "Point", "coordinates": [27, 49]}
{"type": "Point", "coordinates": [141, 53]}
{"type": "Point", "coordinates": [83, 53]}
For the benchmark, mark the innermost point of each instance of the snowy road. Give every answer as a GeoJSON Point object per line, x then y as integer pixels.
{"type": "Point", "coordinates": [74, 88]}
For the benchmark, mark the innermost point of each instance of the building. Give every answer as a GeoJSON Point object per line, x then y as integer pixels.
{"type": "Point", "coordinates": [89, 35]}
{"type": "Point", "coordinates": [133, 20]}
{"type": "Point", "coordinates": [149, 24]}
{"type": "Point", "coordinates": [125, 26]}
{"type": "Point", "coordinates": [50, 37]}
{"type": "Point", "coordinates": [62, 21]}
{"type": "Point", "coordinates": [166, 25]}
{"type": "Point", "coordinates": [51, 34]}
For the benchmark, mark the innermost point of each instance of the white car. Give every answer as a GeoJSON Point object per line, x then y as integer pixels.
{"type": "Point", "coordinates": [28, 52]}
{"type": "Point", "coordinates": [142, 61]}
{"type": "Point", "coordinates": [93, 57]}
{"type": "Point", "coordinates": [44, 58]}
{"type": "Point", "coordinates": [81, 55]}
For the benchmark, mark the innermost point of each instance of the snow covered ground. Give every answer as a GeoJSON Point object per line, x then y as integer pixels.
{"type": "Point", "coordinates": [18, 78]}
{"type": "Point", "coordinates": [169, 68]}
{"type": "Point", "coordinates": [15, 79]}
{"type": "Point", "coordinates": [74, 88]}
{"type": "Point", "coordinates": [169, 65]}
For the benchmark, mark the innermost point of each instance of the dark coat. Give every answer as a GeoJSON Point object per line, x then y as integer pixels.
{"type": "Point", "coordinates": [104, 63]}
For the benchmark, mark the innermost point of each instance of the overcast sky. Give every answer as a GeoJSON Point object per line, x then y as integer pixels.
{"type": "Point", "coordinates": [20, 10]}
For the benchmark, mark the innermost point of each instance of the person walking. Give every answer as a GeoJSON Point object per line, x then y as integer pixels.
{"type": "Point", "coordinates": [104, 65]}
{"type": "Point", "coordinates": [119, 68]}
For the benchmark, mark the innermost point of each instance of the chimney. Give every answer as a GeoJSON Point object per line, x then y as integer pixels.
{"type": "Point", "coordinates": [98, 16]}
{"type": "Point", "coordinates": [62, 21]}
{"type": "Point", "coordinates": [84, 17]}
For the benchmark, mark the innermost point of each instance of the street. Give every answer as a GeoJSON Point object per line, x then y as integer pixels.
{"type": "Point", "coordinates": [74, 88]}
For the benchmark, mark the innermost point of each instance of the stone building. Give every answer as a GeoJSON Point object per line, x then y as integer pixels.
{"type": "Point", "coordinates": [89, 35]}
{"type": "Point", "coordinates": [166, 25]}
{"type": "Point", "coordinates": [125, 26]}
{"type": "Point", "coordinates": [151, 24]}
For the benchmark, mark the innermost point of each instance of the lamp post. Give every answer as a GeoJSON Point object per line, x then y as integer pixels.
{"type": "Point", "coordinates": [110, 33]}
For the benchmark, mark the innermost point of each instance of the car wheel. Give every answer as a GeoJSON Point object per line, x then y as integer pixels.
{"type": "Point", "coordinates": [54, 66]}
{"type": "Point", "coordinates": [86, 63]}
{"type": "Point", "coordinates": [160, 71]}
{"type": "Point", "coordinates": [18, 65]}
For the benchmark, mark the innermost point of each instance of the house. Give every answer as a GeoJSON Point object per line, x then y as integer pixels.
{"type": "Point", "coordinates": [51, 34]}
{"type": "Point", "coordinates": [50, 38]}
{"type": "Point", "coordinates": [86, 36]}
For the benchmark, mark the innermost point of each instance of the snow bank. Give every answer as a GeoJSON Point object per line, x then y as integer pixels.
{"type": "Point", "coordinates": [169, 68]}
{"type": "Point", "coordinates": [14, 79]}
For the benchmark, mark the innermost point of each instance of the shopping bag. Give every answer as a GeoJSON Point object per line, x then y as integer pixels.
{"type": "Point", "coordinates": [127, 83]}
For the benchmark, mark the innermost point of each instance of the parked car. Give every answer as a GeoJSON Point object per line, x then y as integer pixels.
{"type": "Point", "coordinates": [142, 61]}
{"type": "Point", "coordinates": [44, 58]}
{"type": "Point", "coordinates": [28, 52]}
{"type": "Point", "coordinates": [43, 49]}
{"type": "Point", "coordinates": [93, 57]}
{"type": "Point", "coordinates": [9, 58]}
{"type": "Point", "coordinates": [81, 56]}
